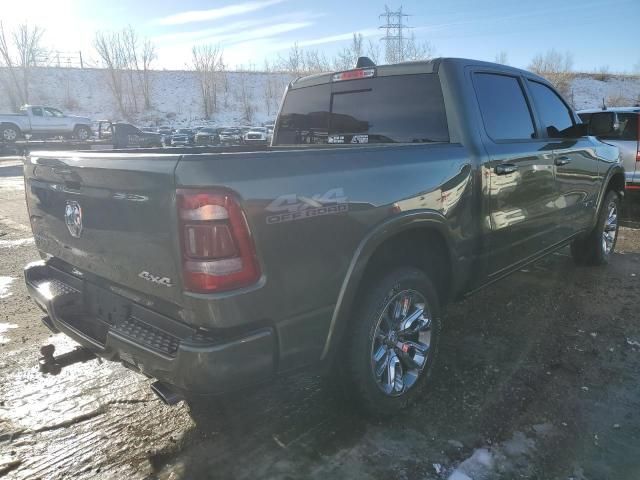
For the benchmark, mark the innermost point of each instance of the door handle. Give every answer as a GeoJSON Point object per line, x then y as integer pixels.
{"type": "Point", "coordinates": [560, 161]}
{"type": "Point", "coordinates": [505, 168]}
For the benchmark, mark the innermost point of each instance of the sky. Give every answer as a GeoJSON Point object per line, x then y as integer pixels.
{"type": "Point", "coordinates": [597, 33]}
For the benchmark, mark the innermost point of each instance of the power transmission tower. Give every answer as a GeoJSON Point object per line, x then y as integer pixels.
{"type": "Point", "coordinates": [394, 38]}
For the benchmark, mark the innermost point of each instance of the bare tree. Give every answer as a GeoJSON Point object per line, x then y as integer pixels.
{"type": "Point", "coordinates": [502, 58]}
{"type": "Point", "coordinates": [293, 62]}
{"type": "Point", "coordinates": [348, 56]}
{"type": "Point", "coordinates": [373, 51]}
{"type": "Point", "coordinates": [139, 58]}
{"type": "Point", "coordinates": [27, 41]}
{"type": "Point", "coordinates": [129, 45]}
{"type": "Point", "coordinates": [19, 57]}
{"type": "Point", "coordinates": [412, 50]}
{"type": "Point", "coordinates": [127, 60]}
{"type": "Point", "coordinates": [603, 73]}
{"type": "Point", "coordinates": [555, 67]}
{"type": "Point", "coordinates": [246, 100]}
{"type": "Point", "coordinates": [148, 56]}
{"type": "Point", "coordinates": [110, 49]}
{"type": "Point", "coordinates": [207, 61]}
{"type": "Point", "coordinates": [315, 62]}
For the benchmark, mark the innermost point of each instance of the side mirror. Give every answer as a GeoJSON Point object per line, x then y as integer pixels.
{"type": "Point", "coordinates": [602, 124]}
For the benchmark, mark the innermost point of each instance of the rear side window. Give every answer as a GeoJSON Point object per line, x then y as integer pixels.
{"type": "Point", "coordinates": [393, 109]}
{"type": "Point", "coordinates": [628, 129]}
{"type": "Point", "coordinates": [555, 115]}
{"type": "Point", "coordinates": [505, 112]}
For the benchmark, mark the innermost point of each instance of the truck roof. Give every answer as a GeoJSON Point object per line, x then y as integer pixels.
{"type": "Point", "coordinates": [408, 68]}
{"type": "Point", "coordinates": [611, 109]}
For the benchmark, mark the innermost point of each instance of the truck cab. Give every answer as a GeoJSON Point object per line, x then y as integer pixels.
{"type": "Point", "coordinates": [41, 121]}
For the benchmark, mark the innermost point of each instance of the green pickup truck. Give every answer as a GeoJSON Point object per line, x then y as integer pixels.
{"type": "Point", "coordinates": [387, 191]}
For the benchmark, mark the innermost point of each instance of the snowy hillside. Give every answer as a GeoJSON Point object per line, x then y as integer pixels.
{"type": "Point", "coordinates": [588, 92]}
{"type": "Point", "coordinates": [176, 95]}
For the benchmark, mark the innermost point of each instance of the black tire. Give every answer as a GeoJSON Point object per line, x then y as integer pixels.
{"type": "Point", "coordinates": [9, 133]}
{"type": "Point", "coordinates": [359, 378]}
{"type": "Point", "coordinates": [592, 249]}
{"type": "Point", "coordinates": [82, 133]}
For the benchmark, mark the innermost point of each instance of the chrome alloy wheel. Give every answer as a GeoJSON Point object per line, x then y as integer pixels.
{"type": "Point", "coordinates": [9, 134]}
{"type": "Point", "coordinates": [401, 342]}
{"type": "Point", "coordinates": [610, 228]}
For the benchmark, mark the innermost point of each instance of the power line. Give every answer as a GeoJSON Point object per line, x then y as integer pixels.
{"type": "Point", "coordinates": [394, 37]}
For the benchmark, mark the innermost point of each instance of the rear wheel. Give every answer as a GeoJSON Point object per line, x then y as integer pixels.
{"type": "Point", "coordinates": [82, 133]}
{"type": "Point", "coordinates": [598, 246]}
{"type": "Point", "coordinates": [10, 133]}
{"type": "Point", "coordinates": [393, 342]}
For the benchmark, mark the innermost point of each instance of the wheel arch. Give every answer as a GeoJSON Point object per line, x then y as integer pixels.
{"type": "Point", "coordinates": [373, 252]}
{"type": "Point", "coordinates": [11, 124]}
{"type": "Point", "coordinates": [81, 125]}
{"type": "Point", "coordinates": [616, 182]}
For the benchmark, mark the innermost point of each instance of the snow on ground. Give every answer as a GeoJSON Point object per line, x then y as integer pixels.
{"type": "Point", "coordinates": [176, 95]}
{"type": "Point", "coordinates": [5, 283]}
{"type": "Point", "coordinates": [501, 460]}
{"type": "Point", "coordinates": [589, 92]}
{"type": "Point", "coordinates": [15, 243]}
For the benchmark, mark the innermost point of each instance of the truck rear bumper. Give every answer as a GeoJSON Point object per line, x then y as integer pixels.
{"type": "Point", "coordinates": [146, 341]}
{"type": "Point", "coordinates": [632, 180]}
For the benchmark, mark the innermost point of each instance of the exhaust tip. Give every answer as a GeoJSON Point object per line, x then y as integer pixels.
{"type": "Point", "coordinates": [166, 393]}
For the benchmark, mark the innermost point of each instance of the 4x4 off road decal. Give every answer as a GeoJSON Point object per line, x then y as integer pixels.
{"type": "Point", "coordinates": [290, 207]}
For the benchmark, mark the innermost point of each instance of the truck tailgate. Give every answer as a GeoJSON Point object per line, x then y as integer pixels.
{"type": "Point", "coordinates": [109, 214]}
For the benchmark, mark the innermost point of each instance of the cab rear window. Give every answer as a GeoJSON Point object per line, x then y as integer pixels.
{"type": "Point", "coordinates": [392, 109]}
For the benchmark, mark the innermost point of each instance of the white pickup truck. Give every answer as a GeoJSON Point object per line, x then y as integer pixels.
{"type": "Point", "coordinates": [42, 122]}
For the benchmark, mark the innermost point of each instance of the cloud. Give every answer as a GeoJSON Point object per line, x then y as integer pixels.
{"type": "Point", "coordinates": [214, 13]}
{"type": "Point", "coordinates": [241, 30]}
{"type": "Point", "coordinates": [340, 37]}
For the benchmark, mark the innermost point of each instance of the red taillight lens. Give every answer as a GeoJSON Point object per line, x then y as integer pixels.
{"type": "Point", "coordinates": [354, 74]}
{"type": "Point", "coordinates": [218, 253]}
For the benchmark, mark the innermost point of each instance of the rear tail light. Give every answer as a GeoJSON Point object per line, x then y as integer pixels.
{"type": "Point", "coordinates": [218, 253]}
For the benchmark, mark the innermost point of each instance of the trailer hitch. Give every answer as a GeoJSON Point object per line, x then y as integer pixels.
{"type": "Point", "coordinates": [53, 365]}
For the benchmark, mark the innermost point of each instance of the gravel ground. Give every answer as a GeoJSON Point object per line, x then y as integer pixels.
{"type": "Point", "coordinates": [537, 378]}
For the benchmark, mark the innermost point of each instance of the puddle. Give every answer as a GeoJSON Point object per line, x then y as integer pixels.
{"type": "Point", "coordinates": [16, 243]}
{"type": "Point", "coordinates": [5, 283]}
{"type": "Point", "coordinates": [5, 327]}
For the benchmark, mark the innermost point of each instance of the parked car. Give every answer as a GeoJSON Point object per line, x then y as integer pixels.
{"type": "Point", "coordinates": [125, 135]}
{"type": "Point", "coordinates": [231, 136]}
{"type": "Point", "coordinates": [165, 130]}
{"type": "Point", "coordinates": [623, 132]}
{"type": "Point", "coordinates": [255, 135]}
{"type": "Point", "coordinates": [207, 136]}
{"type": "Point", "coordinates": [337, 247]}
{"type": "Point", "coordinates": [42, 122]}
{"type": "Point", "coordinates": [182, 137]}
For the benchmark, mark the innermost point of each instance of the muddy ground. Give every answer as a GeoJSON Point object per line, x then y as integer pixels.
{"type": "Point", "coordinates": [538, 378]}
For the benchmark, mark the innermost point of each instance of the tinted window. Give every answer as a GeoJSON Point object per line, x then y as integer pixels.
{"type": "Point", "coordinates": [555, 115]}
{"type": "Point", "coordinates": [505, 112]}
{"type": "Point", "coordinates": [37, 111]}
{"type": "Point", "coordinates": [305, 116]}
{"type": "Point", "coordinates": [628, 127]}
{"type": "Point", "coordinates": [127, 129]}
{"type": "Point", "coordinates": [393, 109]}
